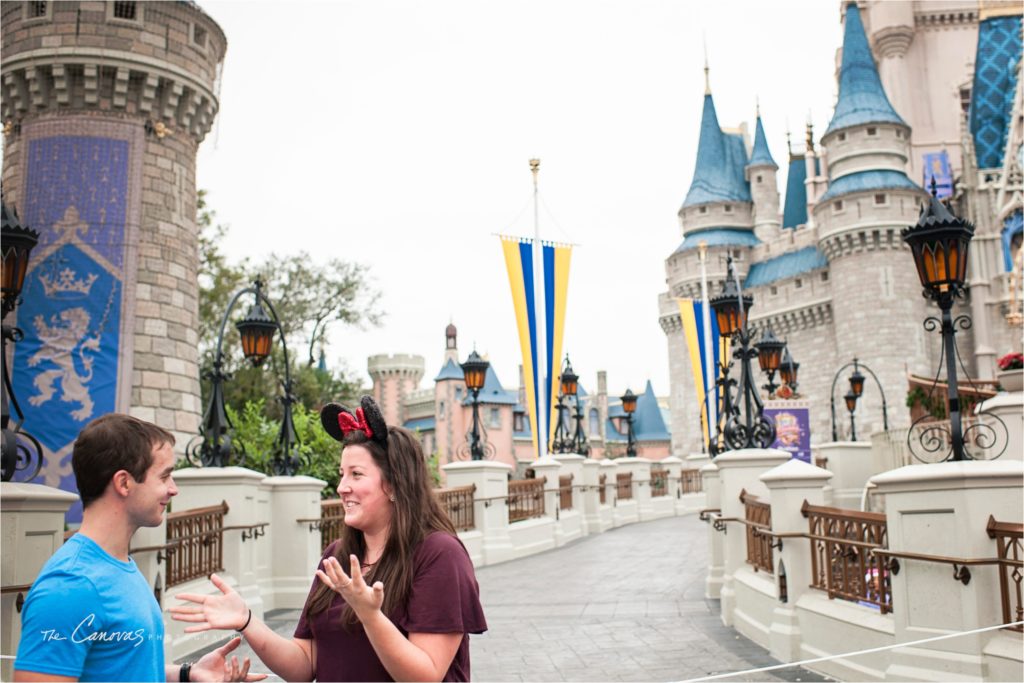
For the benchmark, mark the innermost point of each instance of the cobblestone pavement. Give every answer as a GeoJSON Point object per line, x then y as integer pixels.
{"type": "Point", "coordinates": [625, 605]}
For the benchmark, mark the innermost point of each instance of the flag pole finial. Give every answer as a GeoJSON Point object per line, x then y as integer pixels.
{"type": "Point", "coordinates": [535, 169]}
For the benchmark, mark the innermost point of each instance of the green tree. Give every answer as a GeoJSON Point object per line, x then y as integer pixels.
{"type": "Point", "coordinates": [307, 297]}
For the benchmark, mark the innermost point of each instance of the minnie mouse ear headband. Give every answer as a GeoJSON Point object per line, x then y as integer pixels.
{"type": "Point", "coordinates": [338, 421]}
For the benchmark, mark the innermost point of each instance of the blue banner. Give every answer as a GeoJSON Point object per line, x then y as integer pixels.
{"type": "Point", "coordinates": [65, 370]}
{"type": "Point", "coordinates": [936, 165]}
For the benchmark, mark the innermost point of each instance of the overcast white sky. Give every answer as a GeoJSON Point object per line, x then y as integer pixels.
{"type": "Point", "coordinates": [397, 134]}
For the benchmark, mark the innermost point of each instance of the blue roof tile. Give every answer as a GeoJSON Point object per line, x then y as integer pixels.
{"type": "Point", "coordinates": [719, 237]}
{"type": "Point", "coordinates": [784, 266]}
{"type": "Point", "coordinates": [861, 96]}
{"type": "Point", "coordinates": [423, 424]}
{"type": "Point", "coordinates": [761, 156]}
{"type": "Point", "coordinates": [648, 419]}
{"type": "Point", "coordinates": [718, 173]}
{"type": "Point", "coordinates": [450, 371]}
{"type": "Point", "coordinates": [994, 87]}
{"type": "Point", "coordinates": [794, 211]}
{"type": "Point", "coordinates": [865, 181]}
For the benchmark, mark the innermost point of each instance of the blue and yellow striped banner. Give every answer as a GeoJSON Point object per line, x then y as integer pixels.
{"type": "Point", "coordinates": [691, 313]}
{"type": "Point", "coordinates": [531, 308]}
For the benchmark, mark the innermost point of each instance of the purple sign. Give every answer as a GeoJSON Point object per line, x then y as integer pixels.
{"type": "Point", "coordinates": [792, 421]}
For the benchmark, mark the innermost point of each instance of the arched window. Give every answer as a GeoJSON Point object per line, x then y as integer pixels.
{"type": "Point", "coordinates": [595, 422]}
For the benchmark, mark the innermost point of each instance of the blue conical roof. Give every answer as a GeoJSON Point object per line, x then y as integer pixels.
{"type": "Point", "coordinates": [861, 96]}
{"type": "Point", "coordinates": [761, 156]}
{"type": "Point", "coordinates": [718, 174]}
{"type": "Point", "coordinates": [794, 211]}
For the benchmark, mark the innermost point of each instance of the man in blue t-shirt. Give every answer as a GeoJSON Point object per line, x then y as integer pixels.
{"type": "Point", "coordinates": [90, 615]}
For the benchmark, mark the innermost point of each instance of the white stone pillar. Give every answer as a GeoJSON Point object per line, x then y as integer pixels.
{"type": "Point", "coordinates": [591, 497]}
{"type": "Point", "coordinates": [610, 469]}
{"type": "Point", "coordinates": [740, 470]}
{"type": "Point", "coordinates": [695, 461]}
{"type": "Point", "coordinates": [1008, 407]}
{"type": "Point", "coordinates": [572, 521]}
{"type": "Point", "coordinates": [674, 466]}
{"type": "Point", "coordinates": [641, 469]}
{"type": "Point", "coordinates": [943, 509]}
{"type": "Point", "coordinates": [295, 549]}
{"type": "Point", "coordinates": [716, 541]}
{"type": "Point", "coordinates": [32, 531]}
{"type": "Point", "coordinates": [789, 485]}
{"type": "Point", "coordinates": [549, 469]}
{"type": "Point", "coordinates": [490, 503]}
{"type": "Point", "coordinates": [239, 487]}
{"type": "Point", "coordinates": [851, 464]}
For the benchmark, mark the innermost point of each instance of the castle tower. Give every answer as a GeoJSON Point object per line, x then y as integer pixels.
{"type": "Point", "coordinates": [718, 211]}
{"type": "Point", "coordinates": [104, 107]}
{"type": "Point", "coordinates": [859, 218]}
{"type": "Point", "coordinates": [395, 377]}
{"type": "Point", "coordinates": [761, 175]}
{"type": "Point", "coordinates": [449, 390]}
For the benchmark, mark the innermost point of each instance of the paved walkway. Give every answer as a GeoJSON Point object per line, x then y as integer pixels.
{"type": "Point", "coordinates": [625, 605]}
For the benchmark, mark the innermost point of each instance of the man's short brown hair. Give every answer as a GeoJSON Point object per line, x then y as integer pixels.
{"type": "Point", "coordinates": [111, 443]}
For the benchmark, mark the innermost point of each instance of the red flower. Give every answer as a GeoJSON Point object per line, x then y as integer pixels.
{"type": "Point", "coordinates": [1011, 361]}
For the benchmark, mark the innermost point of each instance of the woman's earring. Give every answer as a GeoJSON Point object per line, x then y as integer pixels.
{"type": "Point", "coordinates": [392, 499]}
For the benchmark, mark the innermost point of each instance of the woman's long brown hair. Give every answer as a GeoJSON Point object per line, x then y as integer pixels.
{"type": "Point", "coordinates": [414, 515]}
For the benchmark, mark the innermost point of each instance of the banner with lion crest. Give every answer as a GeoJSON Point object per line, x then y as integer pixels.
{"type": "Point", "coordinates": [66, 369]}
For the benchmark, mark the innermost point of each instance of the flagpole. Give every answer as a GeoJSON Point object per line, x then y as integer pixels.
{"type": "Point", "coordinates": [710, 365]}
{"type": "Point", "coordinates": [540, 309]}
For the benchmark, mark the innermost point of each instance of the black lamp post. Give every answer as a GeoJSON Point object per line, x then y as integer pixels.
{"type": "Point", "coordinates": [769, 357]}
{"type": "Point", "coordinates": [474, 371]}
{"type": "Point", "coordinates": [939, 242]}
{"type": "Point", "coordinates": [215, 447]}
{"type": "Point", "coordinates": [17, 243]}
{"type": "Point", "coordinates": [567, 385]}
{"type": "Point", "coordinates": [754, 431]}
{"type": "Point", "coordinates": [851, 405]}
{"type": "Point", "coordinates": [856, 380]}
{"type": "Point", "coordinates": [788, 369]}
{"type": "Point", "coordinates": [629, 407]}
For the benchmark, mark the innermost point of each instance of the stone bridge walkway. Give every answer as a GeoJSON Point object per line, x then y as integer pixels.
{"type": "Point", "coordinates": [625, 605]}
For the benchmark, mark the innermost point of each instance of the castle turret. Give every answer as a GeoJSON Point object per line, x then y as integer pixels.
{"type": "Point", "coordinates": [104, 107]}
{"type": "Point", "coordinates": [859, 217]}
{"type": "Point", "coordinates": [761, 175]}
{"type": "Point", "coordinates": [395, 377]}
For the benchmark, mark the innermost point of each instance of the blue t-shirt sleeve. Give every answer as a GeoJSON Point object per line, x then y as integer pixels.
{"type": "Point", "coordinates": [59, 614]}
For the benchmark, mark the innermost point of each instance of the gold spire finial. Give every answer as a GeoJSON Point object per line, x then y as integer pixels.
{"type": "Point", "coordinates": [757, 105]}
{"type": "Point", "coordinates": [810, 136]}
{"type": "Point", "coordinates": [789, 141]}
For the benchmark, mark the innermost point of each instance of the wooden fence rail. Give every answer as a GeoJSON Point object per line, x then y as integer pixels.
{"type": "Point", "coordinates": [565, 492]}
{"type": "Point", "coordinates": [525, 499]}
{"type": "Point", "coordinates": [1009, 540]}
{"type": "Point", "coordinates": [195, 540]}
{"type": "Point", "coordinates": [691, 481]}
{"type": "Point", "coordinates": [332, 517]}
{"type": "Point", "coordinates": [624, 485]}
{"type": "Point", "coordinates": [659, 482]}
{"type": "Point", "coordinates": [842, 563]}
{"type": "Point", "coordinates": [759, 546]}
{"type": "Point", "coordinates": [458, 503]}
{"type": "Point", "coordinates": [602, 483]}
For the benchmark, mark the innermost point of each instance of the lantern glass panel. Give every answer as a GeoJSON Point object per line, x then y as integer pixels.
{"type": "Point", "coordinates": [851, 401]}
{"type": "Point", "coordinates": [256, 342]}
{"type": "Point", "coordinates": [569, 385]}
{"type": "Point", "coordinates": [857, 384]}
{"type": "Point", "coordinates": [629, 402]}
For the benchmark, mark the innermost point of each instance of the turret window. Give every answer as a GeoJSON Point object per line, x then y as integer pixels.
{"type": "Point", "coordinates": [872, 131]}
{"type": "Point", "coordinates": [774, 290]}
{"type": "Point", "coordinates": [758, 178]}
{"type": "Point", "coordinates": [880, 199]}
{"type": "Point", "coordinates": [703, 209]}
{"type": "Point", "coordinates": [199, 35]}
{"type": "Point", "coordinates": [125, 10]}
{"type": "Point", "coordinates": [36, 10]}
{"type": "Point", "coordinates": [837, 206]}
{"type": "Point", "coordinates": [899, 133]}
{"type": "Point", "coordinates": [728, 208]}
{"type": "Point", "coordinates": [520, 422]}
{"type": "Point", "coordinates": [494, 421]}
{"type": "Point", "coordinates": [799, 283]}
{"type": "Point", "coordinates": [841, 137]}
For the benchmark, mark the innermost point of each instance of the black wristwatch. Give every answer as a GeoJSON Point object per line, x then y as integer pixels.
{"type": "Point", "coordinates": [185, 672]}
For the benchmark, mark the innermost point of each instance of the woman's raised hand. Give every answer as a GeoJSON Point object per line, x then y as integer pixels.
{"type": "Point", "coordinates": [363, 599]}
{"type": "Point", "coordinates": [225, 611]}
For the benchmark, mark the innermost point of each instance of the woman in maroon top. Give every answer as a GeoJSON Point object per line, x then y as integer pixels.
{"type": "Point", "coordinates": [395, 597]}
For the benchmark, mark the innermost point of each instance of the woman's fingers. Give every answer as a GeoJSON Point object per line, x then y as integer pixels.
{"type": "Point", "coordinates": [229, 646]}
{"type": "Point", "coordinates": [191, 597]}
{"type": "Point", "coordinates": [220, 584]}
{"type": "Point", "coordinates": [326, 579]}
{"type": "Point", "coordinates": [192, 618]}
{"type": "Point", "coordinates": [357, 572]}
{"type": "Point", "coordinates": [205, 626]}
